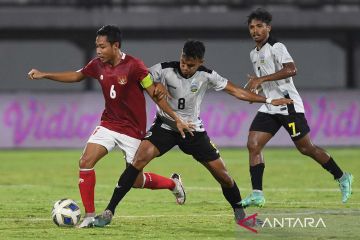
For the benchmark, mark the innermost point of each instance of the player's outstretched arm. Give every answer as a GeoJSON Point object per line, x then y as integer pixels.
{"type": "Point", "coordinates": [160, 91]}
{"type": "Point", "coordinates": [246, 95]}
{"type": "Point", "coordinates": [254, 82]}
{"type": "Point", "coordinates": [67, 77]}
{"type": "Point", "coordinates": [162, 103]}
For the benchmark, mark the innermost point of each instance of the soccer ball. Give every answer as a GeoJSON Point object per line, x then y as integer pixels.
{"type": "Point", "coordinates": [66, 213]}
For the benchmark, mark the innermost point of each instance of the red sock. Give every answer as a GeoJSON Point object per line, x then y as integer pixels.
{"type": "Point", "coordinates": [154, 181]}
{"type": "Point", "coordinates": [87, 180]}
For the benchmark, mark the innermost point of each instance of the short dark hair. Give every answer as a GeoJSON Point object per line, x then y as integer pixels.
{"type": "Point", "coordinates": [260, 14]}
{"type": "Point", "coordinates": [112, 33]}
{"type": "Point", "coordinates": [194, 49]}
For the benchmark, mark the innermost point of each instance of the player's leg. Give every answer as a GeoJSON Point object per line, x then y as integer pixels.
{"type": "Point", "coordinates": [148, 150]}
{"type": "Point", "coordinates": [155, 181]}
{"type": "Point", "coordinates": [299, 130]}
{"type": "Point", "coordinates": [205, 152]}
{"type": "Point", "coordinates": [262, 129]}
{"type": "Point", "coordinates": [229, 188]}
{"type": "Point", "coordinates": [99, 143]}
{"type": "Point", "coordinates": [164, 140]}
{"type": "Point", "coordinates": [306, 147]}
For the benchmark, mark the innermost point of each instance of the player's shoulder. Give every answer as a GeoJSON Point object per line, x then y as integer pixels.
{"type": "Point", "coordinates": [204, 69]}
{"type": "Point", "coordinates": [134, 62]}
{"type": "Point", "coordinates": [272, 41]}
{"type": "Point", "coordinates": [275, 43]}
{"type": "Point", "coordinates": [96, 61]}
{"type": "Point", "coordinates": [170, 65]}
{"type": "Point", "coordinates": [253, 51]}
{"type": "Point", "coordinates": [132, 59]}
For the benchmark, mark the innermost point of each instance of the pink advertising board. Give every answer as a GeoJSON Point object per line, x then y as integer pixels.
{"type": "Point", "coordinates": [54, 120]}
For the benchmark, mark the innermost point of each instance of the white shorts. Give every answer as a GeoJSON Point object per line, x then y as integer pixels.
{"type": "Point", "coordinates": [109, 139]}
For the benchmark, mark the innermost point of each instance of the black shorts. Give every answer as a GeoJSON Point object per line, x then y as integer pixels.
{"type": "Point", "coordinates": [199, 145]}
{"type": "Point", "coordinates": [295, 124]}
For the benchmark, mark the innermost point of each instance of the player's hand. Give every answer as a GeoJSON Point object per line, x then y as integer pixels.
{"type": "Point", "coordinates": [253, 84]}
{"type": "Point", "coordinates": [160, 92]}
{"type": "Point", "coordinates": [281, 101]}
{"type": "Point", "coordinates": [185, 127]}
{"type": "Point", "coordinates": [35, 74]}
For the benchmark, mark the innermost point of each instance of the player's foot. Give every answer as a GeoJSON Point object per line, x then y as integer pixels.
{"type": "Point", "coordinates": [256, 198]}
{"type": "Point", "coordinates": [345, 183]}
{"type": "Point", "coordinates": [87, 222]}
{"type": "Point", "coordinates": [103, 219]}
{"type": "Point", "coordinates": [240, 214]}
{"type": "Point", "coordinates": [178, 190]}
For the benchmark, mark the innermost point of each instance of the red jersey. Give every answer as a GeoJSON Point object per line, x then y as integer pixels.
{"type": "Point", "coordinates": [125, 107]}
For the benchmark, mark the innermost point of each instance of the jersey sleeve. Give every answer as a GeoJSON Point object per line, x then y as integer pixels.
{"type": "Point", "coordinates": [155, 72]}
{"type": "Point", "coordinates": [139, 70]}
{"type": "Point", "coordinates": [281, 53]}
{"type": "Point", "coordinates": [217, 82]}
{"type": "Point", "coordinates": [90, 70]}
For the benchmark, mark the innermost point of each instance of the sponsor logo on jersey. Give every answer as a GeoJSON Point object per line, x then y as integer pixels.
{"type": "Point", "coordinates": [122, 80]}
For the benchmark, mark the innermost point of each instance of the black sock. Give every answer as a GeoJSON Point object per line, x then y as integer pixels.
{"type": "Point", "coordinates": [333, 168]}
{"type": "Point", "coordinates": [232, 195]}
{"type": "Point", "coordinates": [126, 181]}
{"type": "Point", "coordinates": [257, 173]}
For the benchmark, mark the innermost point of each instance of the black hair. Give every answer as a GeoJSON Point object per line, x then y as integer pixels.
{"type": "Point", "coordinates": [194, 49]}
{"type": "Point", "coordinates": [112, 33]}
{"type": "Point", "coordinates": [260, 14]}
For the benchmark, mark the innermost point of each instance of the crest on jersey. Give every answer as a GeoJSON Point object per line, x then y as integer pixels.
{"type": "Point", "coordinates": [262, 57]}
{"type": "Point", "coordinates": [194, 87]}
{"type": "Point", "coordinates": [101, 77]}
{"type": "Point", "coordinates": [122, 80]}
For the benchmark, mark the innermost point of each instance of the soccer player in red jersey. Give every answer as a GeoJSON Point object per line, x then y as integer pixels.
{"type": "Point", "coordinates": [123, 122]}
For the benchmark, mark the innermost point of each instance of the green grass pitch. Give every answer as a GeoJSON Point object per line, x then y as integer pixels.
{"type": "Point", "coordinates": [295, 187]}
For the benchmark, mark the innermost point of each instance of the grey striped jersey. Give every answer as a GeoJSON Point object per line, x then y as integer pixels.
{"type": "Point", "coordinates": [268, 60]}
{"type": "Point", "coordinates": [187, 93]}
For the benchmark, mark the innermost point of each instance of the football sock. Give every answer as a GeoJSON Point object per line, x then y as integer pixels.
{"type": "Point", "coordinates": [257, 173]}
{"type": "Point", "coordinates": [333, 168]}
{"type": "Point", "coordinates": [154, 181]}
{"type": "Point", "coordinates": [87, 180]}
{"type": "Point", "coordinates": [126, 180]}
{"type": "Point", "coordinates": [232, 195]}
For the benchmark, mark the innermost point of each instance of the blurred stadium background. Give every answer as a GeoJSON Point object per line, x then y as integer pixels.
{"type": "Point", "coordinates": [322, 36]}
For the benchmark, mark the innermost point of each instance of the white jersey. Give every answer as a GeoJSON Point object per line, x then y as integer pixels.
{"type": "Point", "coordinates": [268, 60]}
{"type": "Point", "coordinates": [187, 93]}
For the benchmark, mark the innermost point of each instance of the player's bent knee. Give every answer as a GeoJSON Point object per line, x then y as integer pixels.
{"type": "Point", "coordinates": [253, 146]}
{"type": "Point", "coordinates": [86, 163]}
{"type": "Point", "coordinates": [140, 162]}
{"type": "Point", "coordinates": [307, 151]}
